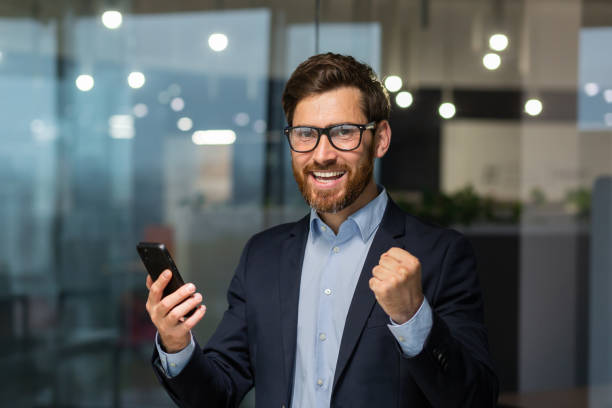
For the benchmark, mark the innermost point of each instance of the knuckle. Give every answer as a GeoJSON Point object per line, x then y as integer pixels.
{"type": "Point", "coordinates": [175, 314]}
{"type": "Point", "coordinates": [165, 303]}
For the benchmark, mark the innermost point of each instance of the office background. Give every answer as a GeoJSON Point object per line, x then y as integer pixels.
{"type": "Point", "coordinates": [123, 121]}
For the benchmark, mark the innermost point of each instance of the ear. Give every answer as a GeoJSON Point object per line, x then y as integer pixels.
{"type": "Point", "coordinates": [383, 138]}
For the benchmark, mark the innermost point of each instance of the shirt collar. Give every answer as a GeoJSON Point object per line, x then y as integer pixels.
{"type": "Point", "coordinates": [366, 218]}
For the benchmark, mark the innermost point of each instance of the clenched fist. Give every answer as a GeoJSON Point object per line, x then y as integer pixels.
{"type": "Point", "coordinates": [396, 283]}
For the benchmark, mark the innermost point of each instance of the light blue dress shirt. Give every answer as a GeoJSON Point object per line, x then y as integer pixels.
{"type": "Point", "coordinates": [331, 269]}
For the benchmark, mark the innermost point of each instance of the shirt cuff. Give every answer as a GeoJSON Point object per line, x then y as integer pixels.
{"type": "Point", "coordinates": [173, 363]}
{"type": "Point", "coordinates": [411, 335]}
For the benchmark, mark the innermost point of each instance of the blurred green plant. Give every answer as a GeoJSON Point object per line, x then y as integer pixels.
{"type": "Point", "coordinates": [578, 201]}
{"type": "Point", "coordinates": [463, 207]}
{"type": "Point", "coordinates": [538, 197]}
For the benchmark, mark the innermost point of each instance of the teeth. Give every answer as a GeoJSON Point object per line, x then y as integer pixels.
{"type": "Point", "coordinates": [327, 173]}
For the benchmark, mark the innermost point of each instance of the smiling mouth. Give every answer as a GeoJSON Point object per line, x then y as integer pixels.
{"type": "Point", "coordinates": [327, 176]}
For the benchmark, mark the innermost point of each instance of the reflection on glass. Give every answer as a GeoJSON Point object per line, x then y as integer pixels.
{"type": "Point", "coordinates": [177, 104]}
{"type": "Point", "coordinates": [241, 119]}
{"type": "Point", "coordinates": [140, 110]}
{"type": "Point", "coordinates": [121, 126]}
{"type": "Point", "coordinates": [591, 89]}
{"type": "Point", "coordinates": [185, 124]}
{"type": "Point", "coordinates": [259, 126]}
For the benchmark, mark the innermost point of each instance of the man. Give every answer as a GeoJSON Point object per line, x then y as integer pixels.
{"type": "Point", "coordinates": [356, 305]}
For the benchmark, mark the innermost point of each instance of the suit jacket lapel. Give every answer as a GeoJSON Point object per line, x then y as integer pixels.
{"type": "Point", "coordinates": [292, 257]}
{"type": "Point", "coordinates": [391, 227]}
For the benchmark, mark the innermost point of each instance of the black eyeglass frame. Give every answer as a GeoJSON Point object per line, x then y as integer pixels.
{"type": "Point", "coordinates": [325, 131]}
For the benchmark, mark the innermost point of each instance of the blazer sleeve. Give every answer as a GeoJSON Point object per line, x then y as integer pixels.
{"type": "Point", "coordinates": [219, 375]}
{"type": "Point", "coordinates": [454, 367]}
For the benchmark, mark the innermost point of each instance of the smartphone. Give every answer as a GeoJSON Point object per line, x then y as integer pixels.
{"type": "Point", "coordinates": [156, 259]}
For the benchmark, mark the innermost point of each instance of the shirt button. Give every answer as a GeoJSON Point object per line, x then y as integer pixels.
{"type": "Point", "coordinates": [323, 228]}
{"type": "Point", "coordinates": [327, 292]}
{"type": "Point", "coordinates": [401, 338]}
{"type": "Point", "coordinates": [172, 365]}
{"type": "Point", "coordinates": [336, 249]}
{"type": "Point", "coordinates": [322, 336]}
{"type": "Point", "coordinates": [319, 382]}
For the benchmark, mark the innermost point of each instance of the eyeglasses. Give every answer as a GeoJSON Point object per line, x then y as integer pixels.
{"type": "Point", "coordinates": [345, 137]}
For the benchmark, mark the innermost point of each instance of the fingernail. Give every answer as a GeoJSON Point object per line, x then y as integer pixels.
{"type": "Point", "coordinates": [190, 287]}
{"type": "Point", "coordinates": [167, 274]}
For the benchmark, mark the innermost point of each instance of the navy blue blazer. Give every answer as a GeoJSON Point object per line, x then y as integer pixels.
{"type": "Point", "coordinates": [254, 345]}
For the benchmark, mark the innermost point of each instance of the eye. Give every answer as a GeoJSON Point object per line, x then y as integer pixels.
{"type": "Point", "coordinates": [344, 131]}
{"type": "Point", "coordinates": [304, 133]}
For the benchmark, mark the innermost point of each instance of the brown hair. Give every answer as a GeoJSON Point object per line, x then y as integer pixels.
{"type": "Point", "coordinates": [325, 72]}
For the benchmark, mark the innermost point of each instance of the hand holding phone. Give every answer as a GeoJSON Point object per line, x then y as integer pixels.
{"type": "Point", "coordinates": [172, 317]}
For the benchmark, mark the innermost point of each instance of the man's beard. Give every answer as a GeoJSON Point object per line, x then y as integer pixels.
{"type": "Point", "coordinates": [325, 201]}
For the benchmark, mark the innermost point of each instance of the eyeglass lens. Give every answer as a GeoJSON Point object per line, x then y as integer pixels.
{"type": "Point", "coordinates": [342, 136]}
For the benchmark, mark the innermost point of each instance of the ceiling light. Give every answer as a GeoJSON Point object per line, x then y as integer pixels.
{"type": "Point", "coordinates": [84, 82]}
{"type": "Point", "coordinates": [533, 107]}
{"type": "Point", "coordinates": [491, 61]}
{"type": "Point", "coordinates": [136, 79]}
{"type": "Point", "coordinates": [213, 137]}
{"type": "Point", "coordinates": [112, 19]}
{"type": "Point", "coordinates": [498, 42]}
{"type": "Point", "coordinates": [447, 110]}
{"type": "Point", "coordinates": [393, 83]}
{"type": "Point", "coordinates": [403, 99]}
{"type": "Point", "coordinates": [217, 42]}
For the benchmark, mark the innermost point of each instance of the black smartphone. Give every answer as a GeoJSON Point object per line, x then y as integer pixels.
{"type": "Point", "coordinates": [156, 259]}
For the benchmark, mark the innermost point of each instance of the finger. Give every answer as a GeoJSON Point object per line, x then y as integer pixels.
{"type": "Point", "coordinates": [195, 317]}
{"type": "Point", "coordinates": [180, 310]}
{"type": "Point", "coordinates": [400, 255]}
{"type": "Point", "coordinates": [178, 296]}
{"type": "Point", "coordinates": [149, 282]}
{"type": "Point", "coordinates": [157, 288]}
{"type": "Point", "coordinates": [382, 273]}
{"type": "Point", "coordinates": [389, 262]}
{"type": "Point", "coordinates": [373, 282]}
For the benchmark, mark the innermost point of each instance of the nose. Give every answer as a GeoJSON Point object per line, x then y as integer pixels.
{"type": "Point", "coordinates": [324, 153]}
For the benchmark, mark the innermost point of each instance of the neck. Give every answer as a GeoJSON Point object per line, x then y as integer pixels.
{"type": "Point", "coordinates": [334, 220]}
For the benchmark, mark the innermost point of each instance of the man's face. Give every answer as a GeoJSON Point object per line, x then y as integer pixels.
{"type": "Point", "coordinates": [329, 179]}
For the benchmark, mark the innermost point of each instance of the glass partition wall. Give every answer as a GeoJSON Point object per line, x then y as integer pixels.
{"type": "Point", "coordinates": [134, 120]}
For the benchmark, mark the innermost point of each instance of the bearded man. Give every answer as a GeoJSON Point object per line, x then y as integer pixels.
{"type": "Point", "coordinates": [357, 304]}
